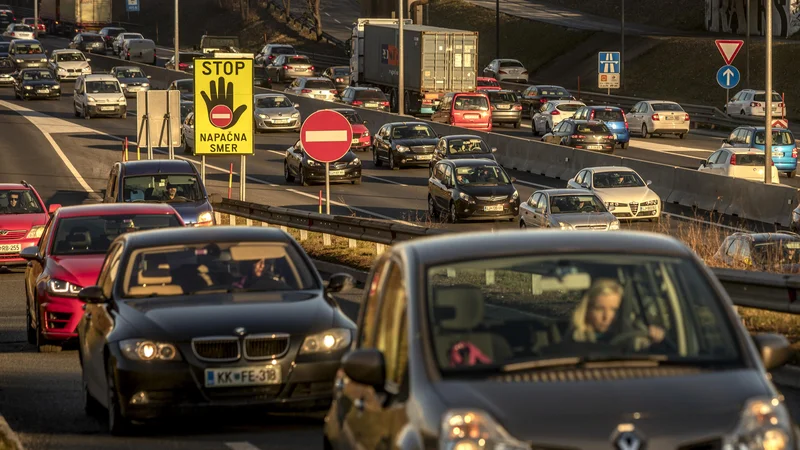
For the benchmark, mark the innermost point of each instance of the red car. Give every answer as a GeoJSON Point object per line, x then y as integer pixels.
{"type": "Point", "coordinates": [22, 220]}
{"type": "Point", "coordinates": [488, 84]}
{"type": "Point", "coordinates": [68, 258]}
{"type": "Point", "coordinates": [362, 140]}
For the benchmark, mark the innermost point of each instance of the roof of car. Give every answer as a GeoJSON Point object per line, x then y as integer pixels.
{"type": "Point", "coordinates": [471, 162]}
{"type": "Point", "coordinates": [89, 33]}
{"type": "Point", "coordinates": [757, 128]}
{"type": "Point", "coordinates": [364, 88]}
{"type": "Point", "coordinates": [741, 150]}
{"type": "Point", "coordinates": [25, 41]}
{"type": "Point", "coordinates": [65, 50]}
{"type": "Point", "coordinates": [604, 107]}
{"type": "Point", "coordinates": [107, 209]}
{"type": "Point", "coordinates": [13, 186]}
{"type": "Point", "coordinates": [566, 191]}
{"type": "Point", "coordinates": [602, 169]}
{"type": "Point", "coordinates": [586, 122]}
{"type": "Point", "coordinates": [766, 237]}
{"type": "Point", "coordinates": [157, 166]}
{"type": "Point", "coordinates": [99, 77]}
{"type": "Point", "coordinates": [394, 124]}
{"type": "Point", "coordinates": [184, 80]}
{"type": "Point", "coordinates": [660, 101]}
{"type": "Point", "coordinates": [461, 136]}
{"type": "Point", "coordinates": [189, 236]}
{"type": "Point", "coordinates": [313, 78]}
{"type": "Point", "coordinates": [124, 67]}
{"type": "Point", "coordinates": [453, 247]}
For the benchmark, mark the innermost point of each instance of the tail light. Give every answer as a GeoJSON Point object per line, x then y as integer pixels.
{"type": "Point", "coordinates": [517, 107]}
{"type": "Point", "coordinates": [610, 137]}
{"type": "Point", "coordinates": [733, 159]}
{"type": "Point", "coordinates": [129, 53]}
{"type": "Point", "coordinates": [287, 67]}
{"type": "Point", "coordinates": [655, 117]}
{"type": "Point", "coordinates": [334, 91]}
{"type": "Point", "coordinates": [387, 104]}
{"type": "Point", "coordinates": [686, 117]}
{"type": "Point", "coordinates": [794, 152]}
{"type": "Point", "coordinates": [357, 103]}
{"type": "Point", "coordinates": [271, 57]}
{"type": "Point", "coordinates": [755, 104]}
{"type": "Point", "coordinates": [493, 106]}
{"type": "Point", "coordinates": [555, 113]}
{"type": "Point", "coordinates": [591, 116]}
{"type": "Point", "coordinates": [13, 33]}
{"type": "Point", "coordinates": [305, 91]}
{"type": "Point", "coordinates": [542, 100]}
{"type": "Point", "coordinates": [183, 65]}
{"type": "Point", "coordinates": [625, 118]}
{"type": "Point", "coordinates": [311, 68]}
{"type": "Point", "coordinates": [578, 136]}
{"type": "Point", "coordinates": [339, 80]}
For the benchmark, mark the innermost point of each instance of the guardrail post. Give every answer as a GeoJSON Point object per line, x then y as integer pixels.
{"type": "Point", "coordinates": [379, 249]}
{"type": "Point", "coordinates": [489, 277]}
{"type": "Point", "coordinates": [351, 243]}
{"type": "Point", "coordinates": [303, 235]}
{"type": "Point", "coordinates": [326, 240]}
{"type": "Point", "coordinates": [217, 217]}
{"type": "Point", "coordinates": [231, 220]}
{"type": "Point", "coordinates": [451, 273]}
{"type": "Point", "coordinates": [249, 222]}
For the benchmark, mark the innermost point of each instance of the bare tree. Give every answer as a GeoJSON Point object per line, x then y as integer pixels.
{"type": "Point", "coordinates": [287, 5]}
{"type": "Point", "coordinates": [313, 8]}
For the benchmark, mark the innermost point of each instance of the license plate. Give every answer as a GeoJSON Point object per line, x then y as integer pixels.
{"type": "Point", "coordinates": [106, 108]}
{"type": "Point", "coordinates": [669, 118]}
{"type": "Point", "coordinates": [594, 147]}
{"type": "Point", "coordinates": [472, 116]}
{"type": "Point", "coordinates": [778, 154]}
{"type": "Point", "coordinates": [43, 91]}
{"type": "Point", "coordinates": [371, 105]}
{"type": "Point", "coordinates": [424, 157]}
{"type": "Point", "coordinates": [648, 208]}
{"type": "Point", "coordinates": [503, 106]}
{"type": "Point", "coordinates": [10, 248]}
{"type": "Point", "coordinates": [320, 97]}
{"type": "Point", "coordinates": [337, 172]}
{"type": "Point", "coordinates": [243, 376]}
{"type": "Point", "coordinates": [281, 121]}
{"type": "Point", "coordinates": [354, 141]}
{"type": "Point", "coordinates": [493, 208]}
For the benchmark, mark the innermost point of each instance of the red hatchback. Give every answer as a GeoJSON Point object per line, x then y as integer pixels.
{"type": "Point", "coordinates": [68, 258]}
{"type": "Point", "coordinates": [488, 84]}
{"type": "Point", "coordinates": [22, 220]}
{"type": "Point", "coordinates": [362, 140]}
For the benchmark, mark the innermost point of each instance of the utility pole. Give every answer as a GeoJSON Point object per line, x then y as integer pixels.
{"type": "Point", "coordinates": [177, 39]}
{"type": "Point", "coordinates": [747, 49]}
{"type": "Point", "coordinates": [622, 45]}
{"type": "Point", "coordinates": [768, 111]}
{"type": "Point", "coordinates": [400, 65]}
{"type": "Point", "coordinates": [36, 18]}
{"type": "Point", "coordinates": [497, 28]}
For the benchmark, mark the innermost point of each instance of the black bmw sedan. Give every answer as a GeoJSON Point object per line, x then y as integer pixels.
{"type": "Point", "coordinates": [297, 164]}
{"type": "Point", "coordinates": [404, 144]}
{"type": "Point", "coordinates": [203, 317]}
{"type": "Point", "coordinates": [36, 83]}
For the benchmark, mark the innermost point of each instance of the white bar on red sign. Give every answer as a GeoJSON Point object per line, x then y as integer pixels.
{"type": "Point", "coordinates": [326, 136]}
{"type": "Point", "coordinates": [221, 116]}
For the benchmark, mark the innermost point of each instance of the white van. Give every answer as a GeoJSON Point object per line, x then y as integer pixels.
{"type": "Point", "coordinates": [99, 95]}
{"type": "Point", "coordinates": [139, 50]}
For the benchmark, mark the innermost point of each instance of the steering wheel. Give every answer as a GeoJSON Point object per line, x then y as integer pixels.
{"type": "Point", "coordinates": [630, 336]}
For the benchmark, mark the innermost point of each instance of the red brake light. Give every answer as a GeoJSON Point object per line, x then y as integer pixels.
{"type": "Point", "coordinates": [357, 103]}
{"type": "Point", "coordinates": [288, 67]}
{"type": "Point", "coordinates": [686, 117]}
{"type": "Point", "coordinates": [577, 136]}
{"type": "Point", "coordinates": [591, 117]}
{"type": "Point", "coordinates": [794, 152]}
{"type": "Point", "coordinates": [517, 107]}
{"type": "Point", "coordinates": [655, 116]}
{"type": "Point", "coordinates": [387, 103]}
{"type": "Point", "coordinates": [610, 136]}
{"type": "Point", "coordinates": [555, 113]}
{"type": "Point", "coordinates": [733, 159]}
{"type": "Point", "coordinates": [306, 91]}
{"type": "Point", "coordinates": [755, 104]}
{"type": "Point", "coordinates": [334, 91]}
{"type": "Point", "coordinates": [312, 67]}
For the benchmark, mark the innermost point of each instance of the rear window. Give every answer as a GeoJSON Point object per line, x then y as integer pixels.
{"type": "Point", "coordinates": [510, 64]}
{"type": "Point", "coordinates": [370, 95]}
{"type": "Point", "coordinates": [114, 32]}
{"type": "Point", "coordinates": [502, 97]}
{"type": "Point", "coordinates": [471, 103]}
{"type": "Point", "coordinates": [667, 107]}
{"type": "Point", "coordinates": [763, 97]}
{"type": "Point", "coordinates": [749, 159]}
{"type": "Point", "coordinates": [319, 84]}
{"type": "Point", "coordinates": [553, 91]}
{"type": "Point", "coordinates": [488, 83]}
{"type": "Point", "coordinates": [92, 38]}
{"type": "Point", "coordinates": [568, 107]}
{"type": "Point", "coordinates": [188, 57]}
{"type": "Point", "coordinates": [298, 60]}
{"type": "Point", "coordinates": [282, 50]}
{"type": "Point", "coordinates": [20, 27]}
{"type": "Point", "coordinates": [778, 138]}
{"type": "Point", "coordinates": [598, 128]}
{"type": "Point", "coordinates": [605, 115]}
{"type": "Point", "coordinates": [341, 72]}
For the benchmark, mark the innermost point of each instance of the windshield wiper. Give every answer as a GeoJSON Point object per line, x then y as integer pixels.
{"type": "Point", "coordinates": [583, 361]}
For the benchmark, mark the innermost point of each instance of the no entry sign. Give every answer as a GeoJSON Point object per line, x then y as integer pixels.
{"type": "Point", "coordinates": [326, 136]}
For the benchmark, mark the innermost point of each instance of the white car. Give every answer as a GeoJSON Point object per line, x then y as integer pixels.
{"type": "Point", "coordinates": [622, 190]}
{"type": "Point", "coordinates": [552, 113]}
{"type": "Point", "coordinates": [749, 102]}
{"type": "Point", "coordinates": [313, 87]}
{"type": "Point", "coordinates": [99, 95]}
{"type": "Point", "coordinates": [658, 117]}
{"type": "Point", "coordinates": [187, 133]}
{"type": "Point", "coordinates": [506, 70]}
{"type": "Point", "coordinates": [19, 31]}
{"type": "Point", "coordinates": [739, 163]}
{"type": "Point", "coordinates": [69, 64]}
{"type": "Point", "coordinates": [118, 41]}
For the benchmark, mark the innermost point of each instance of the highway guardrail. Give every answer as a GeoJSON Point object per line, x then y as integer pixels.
{"type": "Point", "coordinates": [305, 21]}
{"type": "Point", "coordinates": [760, 290]}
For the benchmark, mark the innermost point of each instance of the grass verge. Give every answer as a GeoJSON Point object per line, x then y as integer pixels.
{"type": "Point", "coordinates": [519, 37]}
{"type": "Point", "coordinates": [674, 14]}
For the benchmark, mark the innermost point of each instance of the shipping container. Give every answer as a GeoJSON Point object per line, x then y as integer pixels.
{"type": "Point", "coordinates": [436, 61]}
{"type": "Point", "coordinates": [68, 17]}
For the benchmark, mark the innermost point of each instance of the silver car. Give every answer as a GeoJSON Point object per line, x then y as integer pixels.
{"type": "Point", "coordinates": [288, 67]}
{"type": "Point", "coordinates": [131, 79]}
{"type": "Point", "coordinates": [313, 87]}
{"type": "Point", "coordinates": [566, 209]}
{"type": "Point", "coordinates": [275, 112]}
{"type": "Point", "coordinates": [506, 70]}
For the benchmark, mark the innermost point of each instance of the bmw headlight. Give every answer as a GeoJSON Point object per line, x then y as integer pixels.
{"type": "Point", "coordinates": [327, 341]}
{"type": "Point", "coordinates": [515, 195]}
{"type": "Point", "coordinates": [297, 114]}
{"type": "Point", "coordinates": [146, 350]}
{"type": "Point", "coordinates": [312, 163]}
{"type": "Point", "coordinates": [565, 226]}
{"type": "Point", "coordinates": [44, 60]}
{"type": "Point", "coordinates": [35, 232]}
{"type": "Point", "coordinates": [87, 69]}
{"type": "Point", "coordinates": [764, 424]}
{"type": "Point", "coordinates": [205, 218]}
{"type": "Point", "coordinates": [465, 197]}
{"type": "Point", "coordinates": [614, 225]}
{"type": "Point", "coordinates": [402, 148]}
{"type": "Point", "coordinates": [57, 87]}
{"type": "Point", "coordinates": [145, 84]}
{"type": "Point", "coordinates": [62, 288]}
{"type": "Point", "coordinates": [123, 85]}
{"type": "Point", "coordinates": [463, 429]}
{"type": "Point", "coordinates": [355, 162]}
{"type": "Point", "coordinates": [62, 70]}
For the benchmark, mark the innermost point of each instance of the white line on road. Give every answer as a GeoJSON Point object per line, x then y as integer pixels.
{"type": "Point", "coordinates": [337, 21]}
{"type": "Point", "coordinates": [330, 15]}
{"type": "Point", "coordinates": [241, 446]}
{"type": "Point", "coordinates": [528, 183]}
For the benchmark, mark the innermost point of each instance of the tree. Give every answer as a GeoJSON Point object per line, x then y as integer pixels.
{"type": "Point", "coordinates": [313, 8]}
{"type": "Point", "coordinates": [287, 5]}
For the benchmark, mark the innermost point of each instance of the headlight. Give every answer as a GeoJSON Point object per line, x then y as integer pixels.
{"type": "Point", "coordinates": [565, 226]}
{"type": "Point", "coordinates": [515, 195]}
{"type": "Point", "coordinates": [651, 202]}
{"type": "Point", "coordinates": [366, 133]}
{"type": "Point", "coordinates": [28, 87]}
{"type": "Point", "coordinates": [764, 424]}
{"type": "Point", "coordinates": [355, 162]}
{"type": "Point", "coordinates": [62, 288]}
{"type": "Point", "coordinates": [145, 84]}
{"type": "Point", "coordinates": [263, 116]}
{"type": "Point", "coordinates": [91, 99]}
{"type": "Point", "coordinates": [614, 225]}
{"type": "Point", "coordinates": [311, 162]}
{"type": "Point", "coordinates": [20, 61]}
{"type": "Point", "coordinates": [297, 114]}
{"type": "Point", "coordinates": [44, 60]}
{"type": "Point", "coordinates": [57, 86]}
{"type": "Point", "coordinates": [205, 217]}
{"type": "Point", "coordinates": [466, 197]}
{"type": "Point", "coordinates": [327, 341]}
{"type": "Point", "coordinates": [123, 85]}
{"type": "Point", "coordinates": [473, 430]}
{"type": "Point", "coordinates": [87, 69]}
{"type": "Point", "coordinates": [122, 100]}
{"type": "Point", "coordinates": [61, 69]}
{"type": "Point", "coordinates": [402, 148]}
{"type": "Point", "coordinates": [144, 350]}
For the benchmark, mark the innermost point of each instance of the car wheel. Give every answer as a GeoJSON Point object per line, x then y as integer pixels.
{"type": "Point", "coordinates": [517, 124]}
{"type": "Point", "coordinates": [522, 224]}
{"type": "Point", "coordinates": [531, 112]}
{"type": "Point", "coordinates": [287, 175]}
{"type": "Point", "coordinates": [645, 134]}
{"type": "Point", "coordinates": [375, 159]}
{"type": "Point", "coordinates": [453, 214]}
{"type": "Point", "coordinates": [791, 174]}
{"type": "Point", "coordinates": [42, 344]}
{"type": "Point", "coordinates": [303, 180]}
{"type": "Point", "coordinates": [86, 113]}
{"type": "Point", "coordinates": [433, 214]}
{"type": "Point", "coordinates": [392, 164]}
{"type": "Point", "coordinates": [682, 135]}
{"type": "Point", "coordinates": [625, 145]}
{"type": "Point", "coordinates": [118, 425]}
{"type": "Point", "coordinates": [358, 181]}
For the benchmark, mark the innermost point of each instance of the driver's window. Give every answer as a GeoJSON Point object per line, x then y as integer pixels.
{"type": "Point", "coordinates": [534, 199]}
{"type": "Point", "coordinates": [541, 205]}
{"type": "Point", "coordinates": [712, 158]}
{"type": "Point", "coordinates": [448, 176]}
{"type": "Point", "coordinates": [581, 176]}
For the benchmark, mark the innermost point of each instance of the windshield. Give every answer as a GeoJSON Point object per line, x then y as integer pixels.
{"type": "Point", "coordinates": [502, 97]}
{"type": "Point", "coordinates": [560, 204]}
{"type": "Point", "coordinates": [553, 91]}
{"type": "Point", "coordinates": [608, 115]}
{"type": "Point", "coordinates": [568, 107]}
{"type": "Point", "coordinates": [667, 107]}
{"type": "Point", "coordinates": [112, 32]}
{"type": "Point", "coordinates": [20, 27]}
{"type": "Point", "coordinates": [209, 42]}
{"type": "Point", "coordinates": [488, 82]}
{"type": "Point", "coordinates": [538, 310]}
{"type": "Point", "coordinates": [341, 72]}
{"type": "Point", "coordinates": [420, 131]}
{"type": "Point", "coordinates": [162, 188]}
{"type": "Point", "coordinates": [464, 146]}
{"type": "Point", "coordinates": [370, 94]}
{"type": "Point", "coordinates": [598, 128]}
{"type": "Point", "coordinates": [472, 103]}
{"type": "Point", "coordinates": [319, 84]}
{"type": "Point", "coordinates": [617, 179]}
{"type": "Point", "coordinates": [778, 138]}
{"type": "Point", "coordinates": [102, 87]}
{"type": "Point", "coordinates": [187, 57]}
{"type": "Point", "coordinates": [19, 202]}
{"type": "Point", "coordinates": [36, 75]}
{"type": "Point", "coordinates": [288, 50]}
{"type": "Point", "coordinates": [93, 235]}
{"type": "Point", "coordinates": [298, 60]}
{"type": "Point", "coordinates": [186, 108]}
{"type": "Point", "coordinates": [274, 102]}
{"type": "Point", "coordinates": [130, 73]}
{"type": "Point", "coordinates": [65, 57]}
{"type": "Point", "coordinates": [780, 250]}
{"type": "Point", "coordinates": [92, 38]}
{"type": "Point", "coordinates": [187, 87]}
{"type": "Point", "coordinates": [482, 175]}
{"type": "Point", "coordinates": [351, 116]}
{"type": "Point", "coordinates": [124, 36]}
{"type": "Point", "coordinates": [217, 268]}
{"type": "Point", "coordinates": [29, 49]}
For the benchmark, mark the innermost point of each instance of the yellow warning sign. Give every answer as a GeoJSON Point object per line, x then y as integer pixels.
{"type": "Point", "coordinates": [223, 107]}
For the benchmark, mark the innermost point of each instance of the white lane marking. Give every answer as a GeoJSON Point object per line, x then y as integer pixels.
{"type": "Point", "coordinates": [330, 15]}
{"type": "Point", "coordinates": [36, 120]}
{"type": "Point", "coordinates": [337, 21]}
{"type": "Point", "coordinates": [241, 446]}
{"type": "Point", "coordinates": [534, 184]}
{"type": "Point", "coordinates": [326, 136]}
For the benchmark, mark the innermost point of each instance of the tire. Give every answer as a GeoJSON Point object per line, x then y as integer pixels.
{"type": "Point", "coordinates": [91, 407]}
{"type": "Point", "coordinates": [517, 124]}
{"type": "Point", "coordinates": [433, 214]}
{"type": "Point", "coordinates": [531, 112]}
{"type": "Point", "coordinates": [392, 164]}
{"type": "Point", "coordinates": [30, 329]}
{"type": "Point", "coordinates": [358, 181]}
{"type": "Point", "coordinates": [75, 108]}
{"type": "Point", "coordinates": [625, 145]}
{"type": "Point", "coordinates": [375, 159]}
{"type": "Point", "coordinates": [791, 174]}
{"type": "Point", "coordinates": [682, 135]}
{"type": "Point", "coordinates": [645, 134]}
{"type": "Point", "coordinates": [287, 175]}
{"type": "Point", "coordinates": [86, 114]}
{"type": "Point", "coordinates": [534, 132]}
{"type": "Point", "coordinates": [452, 215]}
{"type": "Point", "coordinates": [522, 225]}
{"type": "Point", "coordinates": [302, 178]}
{"type": "Point", "coordinates": [118, 424]}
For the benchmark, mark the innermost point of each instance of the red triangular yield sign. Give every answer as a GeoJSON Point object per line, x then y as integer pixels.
{"type": "Point", "coordinates": [728, 49]}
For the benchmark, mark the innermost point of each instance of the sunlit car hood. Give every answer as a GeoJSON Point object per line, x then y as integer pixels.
{"type": "Point", "coordinates": [286, 111]}
{"type": "Point", "coordinates": [593, 218]}
{"type": "Point", "coordinates": [416, 142]}
{"type": "Point", "coordinates": [626, 194]}
{"type": "Point", "coordinates": [189, 211]}
{"type": "Point", "coordinates": [34, 57]}
{"type": "Point", "coordinates": [471, 156]}
{"type": "Point", "coordinates": [72, 64]}
{"type": "Point", "coordinates": [134, 80]}
{"type": "Point", "coordinates": [700, 405]}
{"type": "Point", "coordinates": [77, 269]}
{"type": "Point", "coordinates": [21, 221]}
{"type": "Point", "coordinates": [503, 190]}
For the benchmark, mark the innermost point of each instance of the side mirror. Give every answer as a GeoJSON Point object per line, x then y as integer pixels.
{"type": "Point", "coordinates": [297, 105]}
{"type": "Point", "coordinates": [649, 182]}
{"type": "Point", "coordinates": [725, 141]}
{"type": "Point", "coordinates": [340, 282]}
{"type": "Point", "coordinates": [90, 60]}
{"type": "Point", "coordinates": [214, 198]}
{"type": "Point", "coordinates": [773, 348]}
{"type": "Point", "coordinates": [31, 253]}
{"type": "Point", "coordinates": [149, 76]}
{"type": "Point", "coordinates": [366, 366]}
{"type": "Point", "coordinates": [494, 149]}
{"type": "Point", "coordinates": [365, 122]}
{"type": "Point", "coordinates": [92, 294]}
{"type": "Point", "coordinates": [53, 208]}
{"type": "Point", "coordinates": [585, 185]}
{"type": "Point", "coordinates": [513, 180]}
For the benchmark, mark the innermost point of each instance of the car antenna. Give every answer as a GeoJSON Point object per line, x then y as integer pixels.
{"type": "Point", "coordinates": [25, 183]}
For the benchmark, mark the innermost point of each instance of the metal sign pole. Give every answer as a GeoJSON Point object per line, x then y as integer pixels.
{"type": "Point", "coordinates": [169, 131]}
{"type": "Point", "coordinates": [243, 178]}
{"type": "Point", "coordinates": [147, 126]}
{"type": "Point", "coordinates": [768, 90]}
{"type": "Point", "coordinates": [203, 169]}
{"type": "Point", "coordinates": [328, 187]}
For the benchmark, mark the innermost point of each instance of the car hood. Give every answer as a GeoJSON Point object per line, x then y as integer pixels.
{"type": "Point", "coordinates": [416, 142]}
{"type": "Point", "coordinates": [39, 83]}
{"type": "Point", "coordinates": [74, 65]}
{"type": "Point", "coordinates": [21, 221]}
{"type": "Point", "coordinates": [625, 195]}
{"type": "Point", "coordinates": [190, 210]}
{"type": "Point", "coordinates": [34, 57]}
{"type": "Point", "coordinates": [594, 218]}
{"type": "Point", "coordinates": [659, 404]}
{"type": "Point", "coordinates": [470, 156]}
{"type": "Point", "coordinates": [77, 269]}
{"type": "Point", "coordinates": [287, 111]}
{"type": "Point", "coordinates": [183, 318]}
{"type": "Point", "coordinates": [133, 80]}
{"type": "Point", "coordinates": [503, 190]}
{"type": "Point", "coordinates": [358, 128]}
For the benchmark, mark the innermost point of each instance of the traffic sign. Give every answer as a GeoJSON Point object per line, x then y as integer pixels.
{"type": "Point", "coordinates": [223, 92]}
{"type": "Point", "coordinates": [608, 62]}
{"type": "Point", "coordinates": [608, 80]}
{"type": "Point", "coordinates": [728, 49]}
{"type": "Point", "coordinates": [132, 5]}
{"type": "Point", "coordinates": [728, 77]}
{"type": "Point", "coordinates": [780, 123]}
{"type": "Point", "coordinates": [326, 136]}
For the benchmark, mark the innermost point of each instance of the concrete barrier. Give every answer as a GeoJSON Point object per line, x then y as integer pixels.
{"type": "Point", "coordinates": [689, 188]}
{"type": "Point", "coordinates": [749, 201]}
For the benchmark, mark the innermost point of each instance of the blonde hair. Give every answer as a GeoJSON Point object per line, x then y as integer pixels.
{"type": "Point", "coordinates": [583, 332]}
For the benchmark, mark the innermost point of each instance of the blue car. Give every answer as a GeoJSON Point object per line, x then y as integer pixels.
{"type": "Point", "coordinates": [784, 147]}
{"type": "Point", "coordinates": [613, 117]}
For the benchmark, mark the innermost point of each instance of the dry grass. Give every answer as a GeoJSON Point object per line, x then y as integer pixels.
{"type": "Point", "coordinates": [758, 321]}
{"type": "Point", "coordinates": [674, 14]}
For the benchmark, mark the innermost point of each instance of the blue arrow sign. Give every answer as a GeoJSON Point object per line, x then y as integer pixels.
{"type": "Point", "coordinates": [608, 62]}
{"type": "Point", "coordinates": [728, 77]}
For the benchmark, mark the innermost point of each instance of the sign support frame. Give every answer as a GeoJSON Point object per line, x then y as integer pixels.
{"type": "Point", "coordinates": [203, 169]}
{"type": "Point", "coordinates": [242, 177]}
{"type": "Point", "coordinates": [328, 188]}
{"type": "Point", "coordinates": [170, 147]}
